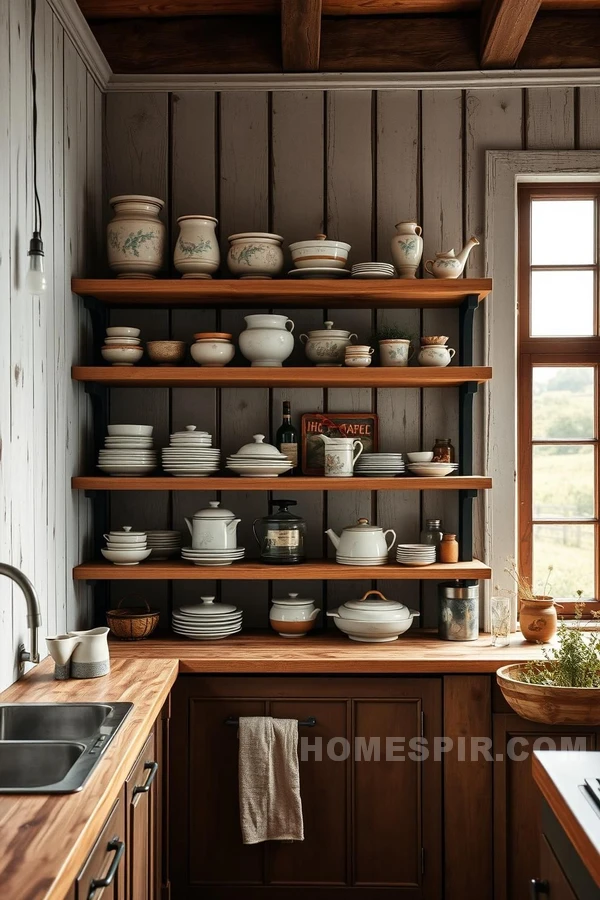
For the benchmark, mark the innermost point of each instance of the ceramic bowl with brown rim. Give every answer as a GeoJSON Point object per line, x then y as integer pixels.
{"type": "Point", "coordinates": [426, 341]}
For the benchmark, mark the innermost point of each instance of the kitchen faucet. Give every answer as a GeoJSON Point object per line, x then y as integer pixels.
{"type": "Point", "coordinates": [34, 617]}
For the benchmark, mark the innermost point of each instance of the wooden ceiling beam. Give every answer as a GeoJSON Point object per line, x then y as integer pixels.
{"type": "Point", "coordinates": [166, 9]}
{"type": "Point", "coordinates": [300, 35]}
{"type": "Point", "coordinates": [505, 25]}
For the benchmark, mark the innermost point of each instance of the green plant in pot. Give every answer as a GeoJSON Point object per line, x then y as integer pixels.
{"type": "Point", "coordinates": [564, 687]}
{"type": "Point", "coordinates": [394, 345]}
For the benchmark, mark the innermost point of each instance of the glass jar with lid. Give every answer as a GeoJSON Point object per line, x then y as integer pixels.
{"type": "Point", "coordinates": [443, 451]}
{"type": "Point", "coordinates": [432, 535]}
{"type": "Point", "coordinates": [281, 535]}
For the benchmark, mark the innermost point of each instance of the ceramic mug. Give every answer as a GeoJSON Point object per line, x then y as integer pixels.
{"type": "Point", "coordinates": [395, 352]}
{"type": "Point", "coordinates": [435, 355]}
{"type": "Point", "coordinates": [339, 460]}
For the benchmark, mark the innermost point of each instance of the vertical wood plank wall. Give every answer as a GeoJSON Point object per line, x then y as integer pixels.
{"type": "Point", "coordinates": [350, 163]}
{"type": "Point", "coordinates": [44, 417]}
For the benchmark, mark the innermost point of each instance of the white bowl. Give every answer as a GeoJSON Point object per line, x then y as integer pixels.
{"type": "Point", "coordinates": [358, 361]}
{"type": "Point", "coordinates": [426, 472]}
{"type": "Point", "coordinates": [319, 253]}
{"type": "Point", "coordinates": [125, 557]}
{"type": "Point", "coordinates": [122, 356]}
{"type": "Point", "coordinates": [122, 331]}
{"type": "Point", "coordinates": [125, 537]}
{"type": "Point", "coordinates": [214, 354]}
{"type": "Point", "coordinates": [122, 342]}
{"type": "Point", "coordinates": [135, 430]}
{"type": "Point", "coordinates": [372, 632]}
{"type": "Point", "coordinates": [421, 457]}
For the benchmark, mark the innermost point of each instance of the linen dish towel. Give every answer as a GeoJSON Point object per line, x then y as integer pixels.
{"type": "Point", "coordinates": [269, 780]}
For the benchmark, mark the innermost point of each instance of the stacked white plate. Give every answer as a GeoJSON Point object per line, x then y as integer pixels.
{"type": "Point", "coordinates": [361, 560]}
{"type": "Point", "coordinates": [373, 270]}
{"type": "Point", "coordinates": [415, 554]}
{"type": "Point", "coordinates": [212, 557]}
{"type": "Point", "coordinates": [319, 272]}
{"type": "Point", "coordinates": [258, 460]}
{"type": "Point", "coordinates": [207, 621]}
{"type": "Point", "coordinates": [432, 469]}
{"type": "Point", "coordinates": [379, 465]}
{"type": "Point", "coordinates": [163, 544]}
{"type": "Point", "coordinates": [128, 450]}
{"type": "Point", "coordinates": [190, 453]}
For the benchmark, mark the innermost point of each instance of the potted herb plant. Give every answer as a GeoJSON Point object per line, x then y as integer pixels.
{"type": "Point", "coordinates": [562, 689]}
{"type": "Point", "coordinates": [394, 345]}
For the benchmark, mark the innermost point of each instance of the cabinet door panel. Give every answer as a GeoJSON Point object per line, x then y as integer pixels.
{"type": "Point", "coordinates": [141, 824]}
{"type": "Point", "coordinates": [387, 804]}
{"type": "Point", "coordinates": [560, 889]}
{"type": "Point", "coordinates": [517, 800]}
{"type": "Point", "coordinates": [216, 852]}
{"type": "Point", "coordinates": [324, 786]}
{"type": "Point", "coordinates": [102, 860]}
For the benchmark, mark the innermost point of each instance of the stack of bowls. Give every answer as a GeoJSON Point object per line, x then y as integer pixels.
{"type": "Point", "coordinates": [122, 346]}
{"type": "Point", "coordinates": [207, 621]}
{"type": "Point", "coordinates": [258, 460]}
{"type": "Point", "coordinates": [125, 547]}
{"type": "Point", "coordinates": [212, 349]}
{"type": "Point", "coordinates": [319, 258]}
{"type": "Point", "coordinates": [379, 465]}
{"type": "Point", "coordinates": [212, 557]}
{"type": "Point", "coordinates": [128, 450]}
{"type": "Point", "coordinates": [163, 544]}
{"type": "Point", "coordinates": [358, 355]}
{"type": "Point", "coordinates": [373, 270]}
{"type": "Point", "coordinates": [415, 554]}
{"type": "Point", "coordinates": [191, 454]}
{"type": "Point", "coordinates": [422, 464]}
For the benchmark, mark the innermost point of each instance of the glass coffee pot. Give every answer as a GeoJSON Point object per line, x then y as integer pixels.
{"type": "Point", "coordinates": [281, 535]}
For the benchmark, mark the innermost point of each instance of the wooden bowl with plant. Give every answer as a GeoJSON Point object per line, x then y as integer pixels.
{"type": "Point", "coordinates": [562, 689]}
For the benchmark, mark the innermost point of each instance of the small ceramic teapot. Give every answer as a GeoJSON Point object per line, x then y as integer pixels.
{"type": "Point", "coordinates": [293, 617]}
{"type": "Point", "coordinates": [435, 355]}
{"type": "Point", "coordinates": [450, 264]}
{"type": "Point", "coordinates": [362, 544]}
{"type": "Point", "coordinates": [340, 455]}
{"type": "Point", "coordinates": [213, 528]}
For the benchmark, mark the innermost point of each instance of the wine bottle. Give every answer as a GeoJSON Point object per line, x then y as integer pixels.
{"type": "Point", "coordinates": [286, 439]}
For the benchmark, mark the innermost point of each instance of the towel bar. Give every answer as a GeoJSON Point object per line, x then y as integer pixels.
{"type": "Point", "coordinates": [307, 723]}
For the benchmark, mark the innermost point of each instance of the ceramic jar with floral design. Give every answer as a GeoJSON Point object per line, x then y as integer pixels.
{"type": "Point", "coordinates": [255, 255]}
{"type": "Point", "coordinates": [136, 237]}
{"type": "Point", "coordinates": [326, 346]}
{"type": "Point", "coordinates": [407, 249]}
{"type": "Point", "coordinates": [395, 351]}
{"type": "Point", "coordinates": [197, 250]}
{"type": "Point", "coordinates": [538, 620]}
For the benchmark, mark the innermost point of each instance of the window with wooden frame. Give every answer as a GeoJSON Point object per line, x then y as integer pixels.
{"type": "Point", "coordinates": [558, 390]}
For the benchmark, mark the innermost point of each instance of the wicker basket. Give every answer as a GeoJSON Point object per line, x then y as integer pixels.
{"type": "Point", "coordinates": [132, 623]}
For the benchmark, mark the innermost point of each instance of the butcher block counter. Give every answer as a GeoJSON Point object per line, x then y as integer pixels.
{"type": "Point", "coordinates": [263, 653]}
{"type": "Point", "coordinates": [46, 839]}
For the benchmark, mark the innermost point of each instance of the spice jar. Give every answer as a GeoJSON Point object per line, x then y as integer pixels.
{"type": "Point", "coordinates": [449, 549]}
{"type": "Point", "coordinates": [281, 535]}
{"type": "Point", "coordinates": [432, 535]}
{"type": "Point", "coordinates": [443, 451]}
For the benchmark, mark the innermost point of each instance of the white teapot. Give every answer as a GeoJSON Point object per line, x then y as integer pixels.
{"type": "Point", "coordinates": [450, 264]}
{"type": "Point", "coordinates": [362, 544]}
{"type": "Point", "coordinates": [340, 455]}
{"type": "Point", "coordinates": [213, 528]}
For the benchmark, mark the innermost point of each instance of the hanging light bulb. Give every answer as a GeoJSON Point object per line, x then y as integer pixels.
{"type": "Point", "coordinates": [35, 280]}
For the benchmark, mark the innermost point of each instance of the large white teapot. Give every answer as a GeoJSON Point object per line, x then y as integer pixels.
{"type": "Point", "coordinates": [213, 528]}
{"type": "Point", "coordinates": [362, 544]}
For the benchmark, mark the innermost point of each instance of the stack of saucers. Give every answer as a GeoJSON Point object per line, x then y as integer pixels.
{"type": "Point", "coordinates": [432, 469]}
{"type": "Point", "coordinates": [258, 460]}
{"type": "Point", "coordinates": [207, 621]}
{"type": "Point", "coordinates": [373, 270]}
{"type": "Point", "coordinates": [379, 465]}
{"type": "Point", "coordinates": [125, 547]}
{"type": "Point", "coordinates": [191, 453]}
{"type": "Point", "coordinates": [128, 450]}
{"type": "Point", "coordinates": [212, 557]}
{"type": "Point", "coordinates": [164, 544]}
{"type": "Point", "coordinates": [415, 554]}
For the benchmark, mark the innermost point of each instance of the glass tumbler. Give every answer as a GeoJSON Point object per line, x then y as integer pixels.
{"type": "Point", "coordinates": [500, 616]}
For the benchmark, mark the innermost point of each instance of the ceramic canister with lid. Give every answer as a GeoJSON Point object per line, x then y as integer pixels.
{"type": "Point", "coordinates": [293, 616]}
{"type": "Point", "coordinates": [326, 346]}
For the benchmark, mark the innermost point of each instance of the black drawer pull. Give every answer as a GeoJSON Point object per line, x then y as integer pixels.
{"type": "Point", "coordinates": [537, 887]}
{"type": "Point", "coordinates": [118, 848]}
{"type": "Point", "coordinates": [306, 723]}
{"type": "Point", "coordinates": [144, 788]}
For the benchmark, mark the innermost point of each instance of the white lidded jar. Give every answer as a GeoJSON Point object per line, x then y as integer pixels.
{"type": "Point", "coordinates": [197, 250]}
{"type": "Point", "coordinates": [213, 528]}
{"type": "Point", "coordinates": [267, 341]}
{"type": "Point", "coordinates": [136, 237]}
{"type": "Point", "coordinates": [293, 616]}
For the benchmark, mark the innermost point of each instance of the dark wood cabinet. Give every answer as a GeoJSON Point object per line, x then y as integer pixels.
{"type": "Point", "coordinates": [553, 883]}
{"type": "Point", "coordinates": [103, 874]}
{"type": "Point", "coordinates": [140, 790]}
{"type": "Point", "coordinates": [369, 823]}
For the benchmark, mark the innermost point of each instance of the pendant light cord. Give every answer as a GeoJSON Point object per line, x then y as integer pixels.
{"type": "Point", "coordinates": [37, 215]}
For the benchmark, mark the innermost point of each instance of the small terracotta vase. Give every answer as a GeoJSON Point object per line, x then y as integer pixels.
{"type": "Point", "coordinates": [538, 619]}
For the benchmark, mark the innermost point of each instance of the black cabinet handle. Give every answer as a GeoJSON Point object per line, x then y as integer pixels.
{"type": "Point", "coordinates": [118, 848]}
{"type": "Point", "coordinates": [537, 887]}
{"type": "Point", "coordinates": [144, 788]}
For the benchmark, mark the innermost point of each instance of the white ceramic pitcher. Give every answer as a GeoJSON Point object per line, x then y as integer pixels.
{"type": "Point", "coordinates": [341, 455]}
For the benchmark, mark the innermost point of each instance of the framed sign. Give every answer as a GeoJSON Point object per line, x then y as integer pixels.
{"type": "Point", "coordinates": [355, 425]}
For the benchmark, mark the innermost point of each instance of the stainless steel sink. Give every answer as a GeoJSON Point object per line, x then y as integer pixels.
{"type": "Point", "coordinates": [52, 748]}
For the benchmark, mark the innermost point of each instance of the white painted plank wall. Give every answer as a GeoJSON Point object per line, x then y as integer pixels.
{"type": "Point", "coordinates": [351, 163]}
{"type": "Point", "coordinates": [44, 419]}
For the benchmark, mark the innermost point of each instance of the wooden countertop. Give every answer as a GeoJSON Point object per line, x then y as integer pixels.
{"type": "Point", "coordinates": [45, 839]}
{"type": "Point", "coordinates": [560, 776]}
{"type": "Point", "coordinates": [332, 653]}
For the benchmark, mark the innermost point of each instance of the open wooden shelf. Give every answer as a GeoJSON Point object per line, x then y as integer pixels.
{"type": "Point", "coordinates": [322, 569]}
{"type": "Point", "coordinates": [279, 483]}
{"type": "Point", "coordinates": [326, 293]}
{"type": "Point", "coordinates": [259, 376]}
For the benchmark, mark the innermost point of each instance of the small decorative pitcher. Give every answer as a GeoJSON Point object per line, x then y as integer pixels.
{"type": "Point", "coordinates": [407, 249]}
{"type": "Point", "coordinates": [340, 456]}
